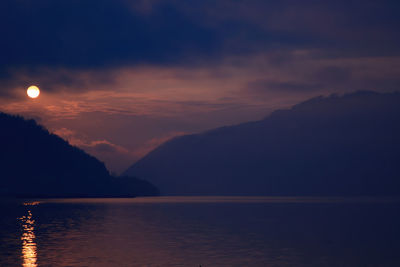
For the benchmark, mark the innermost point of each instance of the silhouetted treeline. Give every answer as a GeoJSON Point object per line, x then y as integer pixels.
{"type": "Point", "coordinates": [337, 145]}
{"type": "Point", "coordinates": [34, 162]}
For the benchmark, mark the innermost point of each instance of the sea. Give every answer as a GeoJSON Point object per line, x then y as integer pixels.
{"type": "Point", "coordinates": [200, 231]}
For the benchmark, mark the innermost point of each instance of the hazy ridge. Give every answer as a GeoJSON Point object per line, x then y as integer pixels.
{"type": "Point", "coordinates": [336, 145]}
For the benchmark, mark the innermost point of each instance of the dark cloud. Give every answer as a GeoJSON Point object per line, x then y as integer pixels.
{"type": "Point", "coordinates": [104, 34]}
{"type": "Point", "coordinates": [97, 33]}
{"type": "Point", "coordinates": [57, 79]}
{"type": "Point", "coordinates": [262, 86]}
{"type": "Point", "coordinates": [332, 75]}
{"type": "Point", "coordinates": [100, 33]}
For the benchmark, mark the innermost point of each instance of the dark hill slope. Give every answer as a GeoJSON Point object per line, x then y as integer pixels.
{"type": "Point", "coordinates": [338, 145]}
{"type": "Point", "coordinates": [34, 162]}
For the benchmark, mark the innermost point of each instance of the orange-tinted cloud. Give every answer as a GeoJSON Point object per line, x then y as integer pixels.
{"type": "Point", "coordinates": [119, 114]}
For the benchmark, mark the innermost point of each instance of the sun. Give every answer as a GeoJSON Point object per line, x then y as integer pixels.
{"type": "Point", "coordinates": [33, 91]}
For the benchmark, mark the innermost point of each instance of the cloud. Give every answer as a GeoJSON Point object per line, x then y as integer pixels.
{"type": "Point", "coordinates": [70, 45]}
{"type": "Point", "coordinates": [110, 33]}
{"type": "Point", "coordinates": [333, 74]}
{"type": "Point", "coordinates": [237, 84]}
{"type": "Point", "coordinates": [85, 34]}
{"type": "Point", "coordinates": [270, 86]}
{"type": "Point", "coordinates": [116, 157]}
{"type": "Point", "coordinates": [101, 146]}
{"type": "Point", "coordinates": [319, 78]}
{"type": "Point", "coordinates": [56, 79]}
{"type": "Point", "coordinates": [104, 146]}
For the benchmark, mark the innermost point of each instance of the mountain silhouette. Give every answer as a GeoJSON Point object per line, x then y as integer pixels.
{"type": "Point", "coordinates": [36, 163]}
{"type": "Point", "coordinates": [336, 145]}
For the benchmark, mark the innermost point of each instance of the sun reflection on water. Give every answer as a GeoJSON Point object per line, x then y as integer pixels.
{"type": "Point", "coordinates": [33, 203]}
{"type": "Point", "coordinates": [29, 254]}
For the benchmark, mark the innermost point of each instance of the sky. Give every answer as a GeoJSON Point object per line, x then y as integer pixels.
{"type": "Point", "coordinates": [120, 77]}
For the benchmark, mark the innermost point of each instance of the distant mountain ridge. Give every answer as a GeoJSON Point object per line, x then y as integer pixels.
{"type": "Point", "coordinates": [36, 163]}
{"type": "Point", "coordinates": [336, 145]}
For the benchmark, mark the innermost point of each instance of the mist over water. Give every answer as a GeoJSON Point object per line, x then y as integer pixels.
{"type": "Point", "coordinates": [206, 231]}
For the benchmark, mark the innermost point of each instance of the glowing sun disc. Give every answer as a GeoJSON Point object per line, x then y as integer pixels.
{"type": "Point", "coordinates": [33, 91]}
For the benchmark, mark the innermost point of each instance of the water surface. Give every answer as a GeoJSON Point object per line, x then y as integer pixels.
{"type": "Point", "coordinates": [206, 231]}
